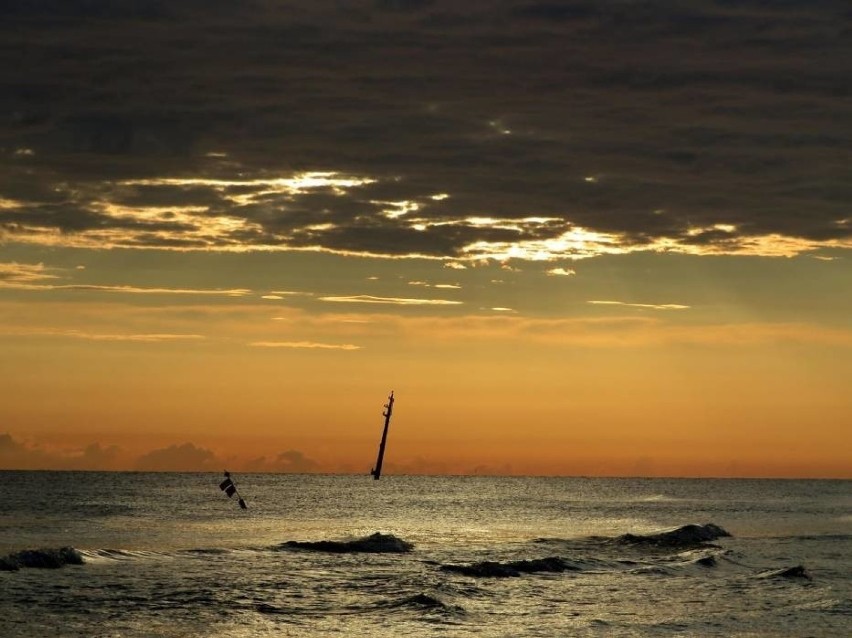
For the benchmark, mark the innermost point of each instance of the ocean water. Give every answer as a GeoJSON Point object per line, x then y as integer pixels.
{"type": "Point", "coordinates": [170, 555]}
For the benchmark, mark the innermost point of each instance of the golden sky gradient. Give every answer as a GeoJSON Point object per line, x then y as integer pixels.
{"type": "Point", "coordinates": [692, 388]}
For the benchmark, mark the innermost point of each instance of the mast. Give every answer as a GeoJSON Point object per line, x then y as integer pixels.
{"type": "Point", "coordinates": [230, 488]}
{"type": "Point", "coordinates": [377, 471]}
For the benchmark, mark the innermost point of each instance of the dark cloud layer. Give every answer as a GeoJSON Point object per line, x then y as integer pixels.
{"type": "Point", "coordinates": [700, 124]}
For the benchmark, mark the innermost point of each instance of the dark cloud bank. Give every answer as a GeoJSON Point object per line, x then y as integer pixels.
{"type": "Point", "coordinates": [703, 122]}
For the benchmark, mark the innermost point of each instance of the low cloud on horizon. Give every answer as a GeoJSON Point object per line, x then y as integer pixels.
{"type": "Point", "coordinates": [19, 454]}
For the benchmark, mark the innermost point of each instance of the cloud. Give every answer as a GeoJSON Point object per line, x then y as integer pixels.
{"type": "Point", "coordinates": [304, 344]}
{"type": "Point", "coordinates": [289, 462]}
{"type": "Point", "coordinates": [179, 458]}
{"type": "Point", "coordinates": [18, 455]}
{"type": "Point", "coordinates": [14, 455]}
{"type": "Point", "coordinates": [631, 331]}
{"type": "Point", "coordinates": [395, 128]}
{"type": "Point", "coordinates": [649, 306]}
{"type": "Point", "coordinates": [561, 272]}
{"type": "Point", "coordinates": [399, 301]}
{"type": "Point", "coordinates": [94, 336]}
{"type": "Point", "coordinates": [428, 285]}
{"type": "Point", "coordinates": [98, 457]}
{"type": "Point", "coordinates": [22, 283]}
{"type": "Point", "coordinates": [295, 461]}
{"type": "Point", "coordinates": [14, 274]}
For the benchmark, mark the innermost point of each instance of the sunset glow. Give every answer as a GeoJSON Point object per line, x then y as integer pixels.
{"type": "Point", "coordinates": [609, 264]}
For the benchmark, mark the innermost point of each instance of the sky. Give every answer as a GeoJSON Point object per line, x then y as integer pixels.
{"type": "Point", "coordinates": [587, 237]}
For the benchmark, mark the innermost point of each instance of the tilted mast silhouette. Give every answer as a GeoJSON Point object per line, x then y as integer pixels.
{"type": "Point", "coordinates": [377, 471]}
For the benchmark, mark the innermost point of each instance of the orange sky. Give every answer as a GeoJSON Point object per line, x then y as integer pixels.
{"type": "Point", "coordinates": [611, 390]}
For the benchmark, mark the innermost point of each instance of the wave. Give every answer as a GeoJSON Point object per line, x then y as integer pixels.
{"type": "Point", "coordinates": [816, 537]}
{"type": "Point", "coordinates": [204, 551]}
{"type": "Point", "coordinates": [493, 569]}
{"type": "Point", "coordinates": [41, 559]}
{"type": "Point", "coordinates": [688, 547]}
{"type": "Point", "coordinates": [376, 543]}
{"type": "Point", "coordinates": [685, 536]}
{"type": "Point", "coordinates": [842, 607]}
{"type": "Point", "coordinates": [698, 557]}
{"type": "Point", "coordinates": [120, 554]}
{"type": "Point", "coordinates": [657, 498]}
{"type": "Point", "coordinates": [797, 571]}
{"type": "Point", "coordinates": [265, 608]}
{"type": "Point", "coordinates": [421, 602]}
{"type": "Point", "coordinates": [651, 570]}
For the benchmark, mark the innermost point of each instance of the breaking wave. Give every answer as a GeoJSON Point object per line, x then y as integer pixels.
{"type": "Point", "coordinates": [41, 559]}
{"type": "Point", "coordinates": [376, 543]}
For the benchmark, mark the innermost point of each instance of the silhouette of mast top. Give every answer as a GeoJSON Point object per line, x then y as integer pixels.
{"type": "Point", "coordinates": [377, 471]}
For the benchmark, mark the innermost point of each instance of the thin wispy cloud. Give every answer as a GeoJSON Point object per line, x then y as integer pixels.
{"type": "Point", "coordinates": [648, 306]}
{"type": "Point", "coordinates": [130, 290]}
{"type": "Point", "coordinates": [95, 336]}
{"type": "Point", "coordinates": [304, 345]}
{"type": "Point", "coordinates": [278, 295]}
{"type": "Point", "coordinates": [645, 331]}
{"type": "Point", "coordinates": [561, 272]}
{"type": "Point", "coordinates": [399, 301]}
{"type": "Point", "coordinates": [426, 284]}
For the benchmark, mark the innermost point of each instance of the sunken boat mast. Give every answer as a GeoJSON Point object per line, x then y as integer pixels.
{"type": "Point", "coordinates": [377, 471]}
{"type": "Point", "coordinates": [230, 488]}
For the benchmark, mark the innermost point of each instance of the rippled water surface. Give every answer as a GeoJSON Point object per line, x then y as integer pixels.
{"type": "Point", "coordinates": [170, 555]}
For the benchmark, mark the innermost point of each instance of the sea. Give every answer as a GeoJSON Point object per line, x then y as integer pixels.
{"type": "Point", "coordinates": [133, 555]}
